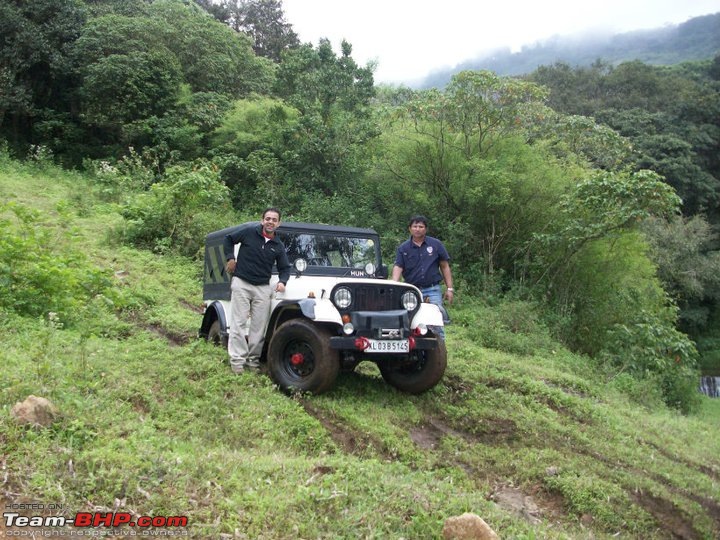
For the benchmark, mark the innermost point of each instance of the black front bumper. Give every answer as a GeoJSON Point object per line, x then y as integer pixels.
{"type": "Point", "coordinates": [391, 325]}
{"type": "Point", "coordinates": [348, 343]}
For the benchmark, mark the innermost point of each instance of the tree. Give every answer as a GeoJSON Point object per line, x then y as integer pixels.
{"type": "Point", "coordinates": [120, 89]}
{"type": "Point", "coordinates": [37, 73]}
{"type": "Point", "coordinates": [462, 154]}
{"type": "Point", "coordinates": [572, 90]}
{"type": "Point", "coordinates": [477, 105]}
{"type": "Point", "coordinates": [327, 148]}
{"type": "Point", "coordinates": [212, 56]}
{"type": "Point", "coordinates": [447, 138]}
{"type": "Point", "coordinates": [248, 145]}
{"type": "Point", "coordinates": [264, 22]}
{"type": "Point", "coordinates": [219, 11]}
{"type": "Point", "coordinates": [317, 80]}
{"type": "Point", "coordinates": [130, 8]}
{"type": "Point", "coordinates": [689, 267]}
{"type": "Point", "coordinates": [128, 74]}
{"type": "Point", "coordinates": [603, 205]}
{"type": "Point", "coordinates": [579, 137]}
{"type": "Point", "coordinates": [669, 114]}
{"type": "Point", "coordinates": [674, 158]}
{"type": "Point", "coordinates": [138, 72]}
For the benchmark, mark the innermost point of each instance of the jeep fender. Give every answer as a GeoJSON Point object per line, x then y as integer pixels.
{"type": "Point", "coordinates": [325, 311]}
{"type": "Point", "coordinates": [428, 314]}
{"type": "Point", "coordinates": [316, 310]}
{"type": "Point", "coordinates": [215, 312]}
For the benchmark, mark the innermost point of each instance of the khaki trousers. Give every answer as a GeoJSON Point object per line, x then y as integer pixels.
{"type": "Point", "coordinates": [247, 302]}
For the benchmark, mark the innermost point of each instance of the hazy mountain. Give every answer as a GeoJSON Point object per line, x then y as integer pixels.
{"type": "Point", "coordinates": [696, 39]}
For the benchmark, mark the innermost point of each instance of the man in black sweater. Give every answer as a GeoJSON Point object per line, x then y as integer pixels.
{"type": "Point", "coordinates": [259, 250]}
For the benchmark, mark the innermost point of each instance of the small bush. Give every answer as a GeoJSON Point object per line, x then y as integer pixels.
{"type": "Point", "coordinates": [41, 156]}
{"type": "Point", "coordinates": [132, 174]}
{"type": "Point", "coordinates": [651, 348]}
{"type": "Point", "coordinates": [645, 391]}
{"type": "Point", "coordinates": [36, 277]}
{"type": "Point", "coordinates": [512, 326]}
{"type": "Point", "coordinates": [709, 348]}
{"type": "Point", "coordinates": [178, 211]}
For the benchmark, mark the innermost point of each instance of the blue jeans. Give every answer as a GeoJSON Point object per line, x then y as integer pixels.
{"type": "Point", "coordinates": [434, 293]}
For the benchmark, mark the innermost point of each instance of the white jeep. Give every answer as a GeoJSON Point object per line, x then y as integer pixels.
{"type": "Point", "coordinates": [337, 310]}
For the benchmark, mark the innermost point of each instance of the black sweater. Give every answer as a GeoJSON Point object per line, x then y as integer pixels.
{"type": "Point", "coordinates": [256, 256]}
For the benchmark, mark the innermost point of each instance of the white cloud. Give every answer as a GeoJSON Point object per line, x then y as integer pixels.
{"type": "Point", "coordinates": [409, 39]}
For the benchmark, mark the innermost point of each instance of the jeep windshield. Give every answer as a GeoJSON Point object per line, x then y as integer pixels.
{"type": "Point", "coordinates": [331, 254]}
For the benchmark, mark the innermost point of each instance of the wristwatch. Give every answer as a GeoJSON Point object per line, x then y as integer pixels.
{"type": "Point", "coordinates": [450, 289]}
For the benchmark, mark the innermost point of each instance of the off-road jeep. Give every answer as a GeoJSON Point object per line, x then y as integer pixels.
{"type": "Point", "coordinates": [337, 310]}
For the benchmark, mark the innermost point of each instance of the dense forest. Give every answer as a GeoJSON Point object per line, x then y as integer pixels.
{"type": "Point", "coordinates": [589, 194]}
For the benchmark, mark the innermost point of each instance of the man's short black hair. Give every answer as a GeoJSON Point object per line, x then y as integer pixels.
{"type": "Point", "coordinates": [271, 209]}
{"type": "Point", "coordinates": [418, 219]}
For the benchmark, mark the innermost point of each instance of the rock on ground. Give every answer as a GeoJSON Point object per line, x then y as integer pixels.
{"type": "Point", "coordinates": [36, 411]}
{"type": "Point", "coordinates": [467, 527]}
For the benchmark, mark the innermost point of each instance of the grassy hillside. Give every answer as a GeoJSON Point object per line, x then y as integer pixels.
{"type": "Point", "coordinates": [539, 442]}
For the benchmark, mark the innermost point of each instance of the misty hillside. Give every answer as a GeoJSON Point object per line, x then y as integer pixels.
{"type": "Point", "coordinates": [696, 39]}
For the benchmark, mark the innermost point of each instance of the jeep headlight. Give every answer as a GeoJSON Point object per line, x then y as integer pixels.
{"type": "Point", "coordinates": [409, 300]}
{"type": "Point", "coordinates": [300, 265]}
{"type": "Point", "coordinates": [342, 298]}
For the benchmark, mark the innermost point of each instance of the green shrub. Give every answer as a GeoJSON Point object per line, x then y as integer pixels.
{"type": "Point", "coordinates": [40, 275]}
{"type": "Point", "coordinates": [652, 349]}
{"type": "Point", "coordinates": [645, 391]}
{"type": "Point", "coordinates": [606, 284]}
{"type": "Point", "coordinates": [709, 346]}
{"type": "Point", "coordinates": [512, 326]}
{"type": "Point", "coordinates": [680, 388]}
{"type": "Point", "coordinates": [178, 211]}
{"type": "Point", "coordinates": [134, 173]}
{"type": "Point", "coordinates": [709, 349]}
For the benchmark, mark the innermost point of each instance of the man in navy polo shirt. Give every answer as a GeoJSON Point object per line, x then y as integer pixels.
{"type": "Point", "coordinates": [423, 261]}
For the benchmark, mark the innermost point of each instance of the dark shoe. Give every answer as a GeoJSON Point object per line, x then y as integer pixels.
{"type": "Point", "coordinates": [237, 368]}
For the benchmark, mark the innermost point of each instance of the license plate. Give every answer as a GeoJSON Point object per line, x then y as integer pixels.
{"type": "Point", "coordinates": [391, 346]}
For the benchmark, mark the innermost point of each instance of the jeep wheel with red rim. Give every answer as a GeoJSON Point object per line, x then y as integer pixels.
{"type": "Point", "coordinates": [418, 372]}
{"type": "Point", "coordinates": [300, 358]}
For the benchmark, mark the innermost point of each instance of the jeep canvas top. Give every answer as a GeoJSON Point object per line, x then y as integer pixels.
{"type": "Point", "coordinates": [337, 310]}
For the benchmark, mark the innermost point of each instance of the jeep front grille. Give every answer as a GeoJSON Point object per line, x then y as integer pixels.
{"type": "Point", "coordinates": [376, 298]}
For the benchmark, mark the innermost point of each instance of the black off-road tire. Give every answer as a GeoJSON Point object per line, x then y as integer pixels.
{"type": "Point", "coordinates": [215, 336]}
{"type": "Point", "coordinates": [423, 370]}
{"type": "Point", "coordinates": [319, 366]}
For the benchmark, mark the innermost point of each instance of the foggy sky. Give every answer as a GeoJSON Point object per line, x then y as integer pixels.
{"type": "Point", "coordinates": [408, 39]}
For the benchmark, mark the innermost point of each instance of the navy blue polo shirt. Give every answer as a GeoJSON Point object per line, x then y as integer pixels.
{"type": "Point", "coordinates": [421, 264]}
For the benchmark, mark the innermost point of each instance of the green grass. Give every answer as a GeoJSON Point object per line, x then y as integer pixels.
{"type": "Point", "coordinates": [153, 422]}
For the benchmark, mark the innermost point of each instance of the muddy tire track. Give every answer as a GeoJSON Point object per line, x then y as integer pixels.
{"type": "Point", "coordinates": [348, 440]}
